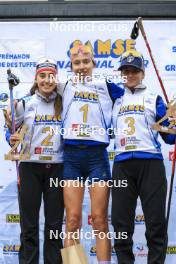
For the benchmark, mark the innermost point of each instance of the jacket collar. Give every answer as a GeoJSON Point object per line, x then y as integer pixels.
{"type": "Point", "coordinates": [46, 99]}
{"type": "Point", "coordinates": [137, 89]}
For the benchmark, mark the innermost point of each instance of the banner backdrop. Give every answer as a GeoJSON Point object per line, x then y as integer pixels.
{"type": "Point", "coordinates": [21, 45]}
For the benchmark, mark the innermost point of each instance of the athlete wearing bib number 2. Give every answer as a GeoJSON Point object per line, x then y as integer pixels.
{"type": "Point", "coordinates": [139, 161]}
{"type": "Point", "coordinates": [41, 113]}
{"type": "Point", "coordinates": [87, 113]}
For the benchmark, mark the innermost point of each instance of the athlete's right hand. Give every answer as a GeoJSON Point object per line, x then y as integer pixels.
{"type": "Point", "coordinates": [14, 138]}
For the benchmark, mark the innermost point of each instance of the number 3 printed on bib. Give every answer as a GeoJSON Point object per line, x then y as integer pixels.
{"type": "Point", "coordinates": [131, 126]}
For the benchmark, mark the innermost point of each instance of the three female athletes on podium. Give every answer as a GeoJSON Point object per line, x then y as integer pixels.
{"type": "Point", "coordinates": [84, 110]}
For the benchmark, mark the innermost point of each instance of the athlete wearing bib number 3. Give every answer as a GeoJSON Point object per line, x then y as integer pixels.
{"type": "Point", "coordinates": [139, 161]}
{"type": "Point", "coordinates": [41, 113]}
{"type": "Point", "coordinates": [87, 113]}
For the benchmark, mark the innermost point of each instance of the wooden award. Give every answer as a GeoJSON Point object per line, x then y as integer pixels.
{"type": "Point", "coordinates": [14, 154]}
{"type": "Point", "coordinates": [171, 117]}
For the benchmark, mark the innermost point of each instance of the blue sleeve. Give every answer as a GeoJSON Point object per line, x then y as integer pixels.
{"type": "Point", "coordinates": [160, 112]}
{"type": "Point", "coordinates": [115, 90]}
{"type": "Point", "coordinates": [7, 136]}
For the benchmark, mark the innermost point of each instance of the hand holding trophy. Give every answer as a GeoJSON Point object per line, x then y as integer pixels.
{"type": "Point", "coordinates": [17, 137]}
{"type": "Point", "coordinates": [16, 140]}
{"type": "Point", "coordinates": [170, 116]}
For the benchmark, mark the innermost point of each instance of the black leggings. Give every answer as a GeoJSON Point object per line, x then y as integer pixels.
{"type": "Point", "coordinates": [146, 179]}
{"type": "Point", "coordinates": [35, 181]}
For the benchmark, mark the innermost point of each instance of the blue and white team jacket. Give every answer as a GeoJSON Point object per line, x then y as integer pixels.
{"type": "Point", "coordinates": [43, 141]}
{"type": "Point", "coordinates": [133, 116]}
{"type": "Point", "coordinates": [87, 111]}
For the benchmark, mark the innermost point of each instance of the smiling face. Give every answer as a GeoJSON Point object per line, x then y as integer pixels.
{"type": "Point", "coordinates": [82, 65]}
{"type": "Point", "coordinates": [133, 75]}
{"type": "Point", "coordinates": [46, 81]}
{"type": "Point", "coordinates": [82, 61]}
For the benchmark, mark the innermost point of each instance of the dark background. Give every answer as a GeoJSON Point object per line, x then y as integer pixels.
{"type": "Point", "coordinates": [91, 10]}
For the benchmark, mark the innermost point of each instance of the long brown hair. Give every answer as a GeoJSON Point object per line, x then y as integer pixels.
{"type": "Point", "coordinates": [58, 100]}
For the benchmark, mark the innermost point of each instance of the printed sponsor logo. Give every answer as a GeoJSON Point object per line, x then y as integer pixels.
{"type": "Point", "coordinates": [139, 219]}
{"type": "Point", "coordinates": [111, 155]}
{"type": "Point", "coordinates": [11, 249]}
{"type": "Point", "coordinates": [122, 141]}
{"type": "Point", "coordinates": [140, 250]}
{"type": "Point", "coordinates": [38, 150]}
{"type": "Point", "coordinates": [93, 251]}
{"type": "Point", "coordinates": [3, 97]}
{"type": "Point", "coordinates": [12, 218]}
{"type": "Point", "coordinates": [171, 250]}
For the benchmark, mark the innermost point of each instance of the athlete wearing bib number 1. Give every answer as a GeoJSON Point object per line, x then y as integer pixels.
{"type": "Point", "coordinates": [41, 113]}
{"type": "Point", "coordinates": [87, 113]}
{"type": "Point", "coordinates": [139, 162]}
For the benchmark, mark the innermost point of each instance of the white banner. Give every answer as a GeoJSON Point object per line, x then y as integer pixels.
{"type": "Point", "coordinates": [21, 44]}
